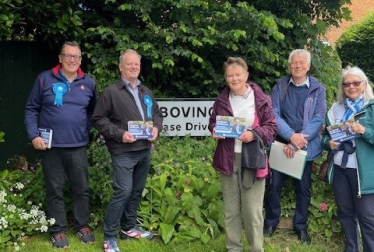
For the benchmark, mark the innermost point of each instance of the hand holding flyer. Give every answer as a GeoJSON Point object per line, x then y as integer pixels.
{"type": "Point", "coordinates": [141, 129]}
{"type": "Point", "coordinates": [46, 135]}
{"type": "Point", "coordinates": [341, 132]}
{"type": "Point", "coordinates": [229, 126]}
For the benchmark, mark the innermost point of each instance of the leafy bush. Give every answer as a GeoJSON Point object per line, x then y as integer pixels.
{"type": "Point", "coordinates": [355, 46]}
{"type": "Point", "coordinates": [326, 67]}
{"type": "Point", "coordinates": [21, 197]}
{"type": "Point", "coordinates": [182, 200]}
{"type": "Point", "coordinates": [322, 210]}
{"type": "Point", "coordinates": [183, 196]}
{"type": "Point", "coordinates": [2, 136]}
{"type": "Point", "coordinates": [19, 216]}
{"type": "Point", "coordinates": [100, 179]}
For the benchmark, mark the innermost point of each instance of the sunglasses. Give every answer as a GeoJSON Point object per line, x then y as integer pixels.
{"type": "Point", "coordinates": [354, 83]}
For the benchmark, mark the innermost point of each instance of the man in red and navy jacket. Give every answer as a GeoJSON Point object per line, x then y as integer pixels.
{"type": "Point", "coordinates": [63, 100]}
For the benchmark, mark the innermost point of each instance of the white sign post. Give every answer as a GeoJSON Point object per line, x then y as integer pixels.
{"type": "Point", "coordinates": [186, 116]}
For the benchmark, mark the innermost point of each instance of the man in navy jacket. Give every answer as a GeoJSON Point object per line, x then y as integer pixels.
{"type": "Point", "coordinates": [63, 100]}
{"type": "Point", "coordinates": [299, 105]}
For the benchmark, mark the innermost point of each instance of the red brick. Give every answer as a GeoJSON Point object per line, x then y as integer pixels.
{"type": "Point", "coordinates": [360, 9]}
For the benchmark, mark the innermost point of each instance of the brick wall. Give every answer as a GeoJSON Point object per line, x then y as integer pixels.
{"type": "Point", "coordinates": [360, 9]}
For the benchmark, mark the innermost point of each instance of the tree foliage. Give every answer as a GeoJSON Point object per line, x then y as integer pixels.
{"type": "Point", "coordinates": [41, 20]}
{"type": "Point", "coordinates": [355, 46]}
{"type": "Point", "coordinates": [310, 20]}
{"type": "Point", "coordinates": [183, 43]}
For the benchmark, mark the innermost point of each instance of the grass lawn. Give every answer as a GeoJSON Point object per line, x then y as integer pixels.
{"type": "Point", "coordinates": [282, 241]}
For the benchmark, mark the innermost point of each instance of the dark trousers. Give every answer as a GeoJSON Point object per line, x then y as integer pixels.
{"type": "Point", "coordinates": [302, 191]}
{"type": "Point", "coordinates": [353, 211]}
{"type": "Point", "coordinates": [130, 171]}
{"type": "Point", "coordinates": [60, 164]}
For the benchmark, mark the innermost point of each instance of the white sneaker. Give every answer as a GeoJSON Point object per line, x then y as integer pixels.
{"type": "Point", "coordinates": [110, 245]}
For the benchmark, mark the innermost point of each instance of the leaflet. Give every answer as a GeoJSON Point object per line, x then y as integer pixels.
{"type": "Point", "coordinates": [46, 135]}
{"type": "Point", "coordinates": [340, 132]}
{"type": "Point", "coordinates": [141, 129]}
{"type": "Point", "coordinates": [229, 126]}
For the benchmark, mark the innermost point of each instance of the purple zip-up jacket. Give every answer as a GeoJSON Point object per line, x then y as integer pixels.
{"type": "Point", "coordinates": [223, 160]}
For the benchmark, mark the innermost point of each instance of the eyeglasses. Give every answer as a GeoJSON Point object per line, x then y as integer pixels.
{"type": "Point", "coordinates": [69, 56]}
{"type": "Point", "coordinates": [354, 83]}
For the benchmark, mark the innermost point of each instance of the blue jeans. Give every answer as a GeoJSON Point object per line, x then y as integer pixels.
{"type": "Point", "coordinates": [60, 164]}
{"type": "Point", "coordinates": [130, 171]}
{"type": "Point", "coordinates": [353, 210]}
{"type": "Point", "coordinates": [302, 190]}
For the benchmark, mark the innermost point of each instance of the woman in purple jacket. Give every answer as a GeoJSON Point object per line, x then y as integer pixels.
{"type": "Point", "coordinates": [245, 100]}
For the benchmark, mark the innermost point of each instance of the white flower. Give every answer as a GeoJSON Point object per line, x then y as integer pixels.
{"type": "Point", "coordinates": [19, 186]}
{"type": "Point", "coordinates": [52, 221]}
{"type": "Point", "coordinates": [11, 208]}
{"type": "Point", "coordinates": [43, 228]}
{"type": "Point", "coordinates": [43, 221]}
{"type": "Point", "coordinates": [2, 196]}
{"type": "Point", "coordinates": [24, 216]}
{"type": "Point", "coordinates": [3, 223]}
{"type": "Point", "coordinates": [34, 211]}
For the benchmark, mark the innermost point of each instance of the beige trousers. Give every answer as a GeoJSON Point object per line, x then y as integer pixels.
{"type": "Point", "coordinates": [243, 206]}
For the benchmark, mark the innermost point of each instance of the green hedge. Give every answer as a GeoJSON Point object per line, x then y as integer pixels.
{"type": "Point", "coordinates": [355, 46]}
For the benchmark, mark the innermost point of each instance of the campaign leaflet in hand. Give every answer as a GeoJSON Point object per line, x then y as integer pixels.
{"type": "Point", "coordinates": [340, 132]}
{"type": "Point", "coordinates": [46, 135]}
{"type": "Point", "coordinates": [229, 126]}
{"type": "Point", "coordinates": [141, 129]}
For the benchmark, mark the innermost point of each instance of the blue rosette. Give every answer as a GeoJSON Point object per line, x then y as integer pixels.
{"type": "Point", "coordinates": [59, 89]}
{"type": "Point", "coordinates": [147, 100]}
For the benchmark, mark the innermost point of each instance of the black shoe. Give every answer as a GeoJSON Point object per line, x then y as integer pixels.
{"type": "Point", "coordinates": [86, 235]}
{"type": "Point", "coordinates": [304, 237]}
{"type": "Point", "coordinates": [60, 240]}
{"type": "Point", "coordinates": [269, 230]}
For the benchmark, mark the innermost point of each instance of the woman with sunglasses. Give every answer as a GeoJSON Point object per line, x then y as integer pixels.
{"type": "Point", "coordinates": [352, 174]}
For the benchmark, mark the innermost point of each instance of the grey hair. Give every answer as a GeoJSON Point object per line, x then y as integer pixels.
{"type": "Point", "coordinates": [368, 92]}
{"type": "Point", "coordinates": [300, 51]}
{"type": "Point", "coordinates": [70, 43]}
{"type": "Point", "coordinates": [235, 61]}
{"type": "Point", "coordinates": [122, 56]}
